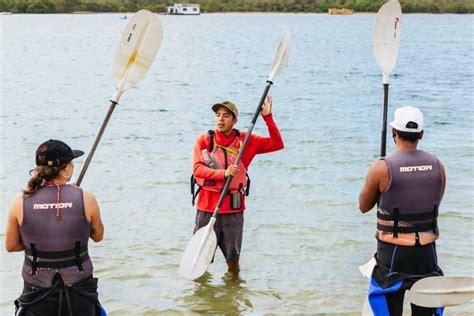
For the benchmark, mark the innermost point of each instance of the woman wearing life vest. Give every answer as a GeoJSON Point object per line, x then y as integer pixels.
{"type": "Point", "coordinates": [52, 221]}
{"type": "Point", "coordinates": [407, 187]}
{"type": "Point", "coordinates": [213, 161]}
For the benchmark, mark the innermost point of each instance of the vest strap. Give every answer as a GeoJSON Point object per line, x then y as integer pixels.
{"type": "Point", "coordinates": [211, 137]}
{"type": "Point", "coordinates": [34, 262]}
{"type": "Point", "coordinates": [413, 229]}
{"type": "Point", "coordinates": [434, 224]}
{"type": "Point", "coordinates": [57, 264]}
{"type": "Point", "coordinates": [77, 251]}
{"type": "Point", "coordinates": [409, 217]}
{"type": "Point", "coordinates": [396, 217]}
{"type": "Point", "coordinates": [39, 259]}
{"type": "Point", "coordinates": [247, 188]}
{"type": "Point", "coordinates": [429, 219]}
{"type": "Point", "coordinates": [55, 254]}
{"type": "Point", "coordinates": [194, 193]}
{"type": "Point", "coordinates": [417, 239]}
{"type": "Point", "coordinates": [225, 157]}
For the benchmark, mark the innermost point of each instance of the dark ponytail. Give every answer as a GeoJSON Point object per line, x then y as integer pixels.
{"type": "Point", "coordinates": [41, 175]}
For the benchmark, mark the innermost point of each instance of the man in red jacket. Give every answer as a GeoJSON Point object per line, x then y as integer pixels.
{"type": "Point", "coordinates": [213, 161]}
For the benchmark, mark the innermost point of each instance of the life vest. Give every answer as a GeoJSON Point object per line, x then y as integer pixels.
{"type": "Point", "coordinates": [220, 157]}
{"type": "Point", "coordinates": [55, 233]}
{"type": "Point", "coordinates": [410, 202]}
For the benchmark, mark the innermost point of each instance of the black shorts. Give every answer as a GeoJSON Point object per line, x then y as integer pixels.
{"type": "Point", "coordinates": [80, 299]}
{"type": "Point", "coordinates": [407, 264]}
{"type": "Point", "coordinates": [228, 228]}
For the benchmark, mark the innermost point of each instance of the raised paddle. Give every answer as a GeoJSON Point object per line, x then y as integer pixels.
{"type": "Point", "coordinates": [385, 46]}
{"type": "Point", "coordinates": [136, 51]}
{"type": "Point", "coordinates": [386, 43]}
{"type": "Point", "coordinates": [201, 248]}
{"type": "Point", "coordinates": [442, 291]}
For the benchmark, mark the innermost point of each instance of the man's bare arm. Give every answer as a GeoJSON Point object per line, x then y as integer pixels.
{"type": "Point", "coordinates": [376, 181]}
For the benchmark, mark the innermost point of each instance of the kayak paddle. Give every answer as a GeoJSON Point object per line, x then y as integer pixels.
{"type": "Point", "coordinates": [385, 46]}
{"type": "Point", "coordinates": [201, 248]}
{"type": "Point", "coordinates": [442, 291]}
{"type": "Point", "coordinates": [386, 43]}
{"type": "Point", "coordinates": [135, 53]}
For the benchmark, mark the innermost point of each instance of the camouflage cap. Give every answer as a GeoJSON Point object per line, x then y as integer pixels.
{"type": "Point", "coordinates": [229, 106]}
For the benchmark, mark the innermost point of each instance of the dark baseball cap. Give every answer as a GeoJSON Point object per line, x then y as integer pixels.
{"type": "Point", "coordinates": [229, 105]}
{"type": "Point", "coordinates": [55, 153]}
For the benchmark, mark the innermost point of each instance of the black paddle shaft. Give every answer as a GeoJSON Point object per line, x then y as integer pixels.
{"type": "Point", "coordinates": [242, 148]}
{"type": "Point", "coordinates": [384, 127]}
{"type": "Point", "coordinates": [96, 143]}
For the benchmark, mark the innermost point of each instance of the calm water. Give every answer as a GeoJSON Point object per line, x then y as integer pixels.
{"type": "Point", "coordinates": [304, 236]}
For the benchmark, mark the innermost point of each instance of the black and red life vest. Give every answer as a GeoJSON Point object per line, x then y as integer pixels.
{"type": "Point", "coordinates": [220, 157]}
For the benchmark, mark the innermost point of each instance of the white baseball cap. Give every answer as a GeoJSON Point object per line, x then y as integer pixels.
{"type": "Point", "coordinates": [405, 115]}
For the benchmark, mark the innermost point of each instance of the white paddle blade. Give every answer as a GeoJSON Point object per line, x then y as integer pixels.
{"type": "Point", "coordinates": [137, 49]}
{"type": "Point", "coordinates": [199, 252]}
{"type": "Point", "coordinates": [442, 291]}
{"type": "Point", "coordinates": [366, 309]}
{"type": "Point", "coordinates": [367, 268]}
{"type": "Point", "coordinates": [386, 36]}
{"type": "Point", "coordinates": [281, 56]}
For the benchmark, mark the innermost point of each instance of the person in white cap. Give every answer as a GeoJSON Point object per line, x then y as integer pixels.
{"type": "Point", "coordinates": [407, 187]}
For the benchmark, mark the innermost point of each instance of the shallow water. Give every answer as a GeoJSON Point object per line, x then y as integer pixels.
{"type": "Point", "coordinates": [304, 236]}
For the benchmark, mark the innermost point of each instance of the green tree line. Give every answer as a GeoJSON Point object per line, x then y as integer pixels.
{"type": "Point", "coordinates": [317, 6]}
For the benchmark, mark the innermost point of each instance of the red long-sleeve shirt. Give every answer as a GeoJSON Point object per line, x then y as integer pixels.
{"type": "Point", "coordinates": [207, 200]}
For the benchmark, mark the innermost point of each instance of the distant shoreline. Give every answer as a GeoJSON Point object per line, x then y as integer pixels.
{"type": "Point", "coordinates": [230, 12]}
{"type": "Point", "coordinates": [234, 6]}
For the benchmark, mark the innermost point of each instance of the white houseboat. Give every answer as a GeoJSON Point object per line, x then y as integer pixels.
{"type": "Point", "coordinates": [184, 9]}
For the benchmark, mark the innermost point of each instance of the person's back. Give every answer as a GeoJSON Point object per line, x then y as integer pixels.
{"type": "Point", "coordinates": [52, 221]}
{"type": "Point", "coordinates": [55, 231]}
{"type": "Point", "coordinates": [408, 207]}
{"type": "Point", "coordinates": [407, 187]}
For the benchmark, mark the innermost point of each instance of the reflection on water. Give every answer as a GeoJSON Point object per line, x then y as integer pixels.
{"type": "Point", "coordinates": [232, 297]}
